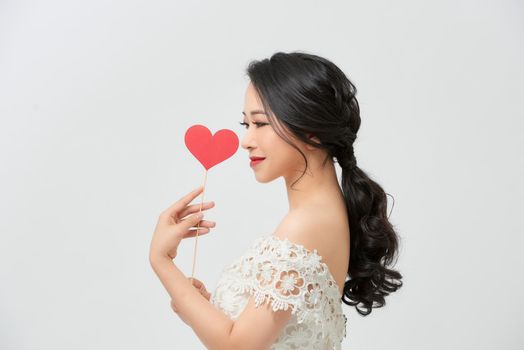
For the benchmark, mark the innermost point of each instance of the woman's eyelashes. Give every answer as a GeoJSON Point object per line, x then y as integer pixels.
{"type": "Point", "coordinates": [258, 124]}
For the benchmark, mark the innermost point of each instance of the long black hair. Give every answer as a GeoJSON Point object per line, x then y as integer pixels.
{"type": "Point", "coordinates": [308, 95]}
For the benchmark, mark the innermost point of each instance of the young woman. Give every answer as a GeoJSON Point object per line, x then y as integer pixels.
{"type": "Point", "coordinates": [334, 245]}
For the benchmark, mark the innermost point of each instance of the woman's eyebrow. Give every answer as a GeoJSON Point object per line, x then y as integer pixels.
{"type": "Point", "coordinates": [256, 111]}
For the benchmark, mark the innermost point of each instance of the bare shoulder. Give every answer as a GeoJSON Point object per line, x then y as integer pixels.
{"type": "Point", "coordinates": [324, 229]}
{"type": "Point", "coordinates": [314, 228]}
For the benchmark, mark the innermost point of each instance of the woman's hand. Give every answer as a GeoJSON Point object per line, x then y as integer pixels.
{"type": "Point", "coordinates": [175, 223]}
{"type": "Point", "coordinates": [199, 286]}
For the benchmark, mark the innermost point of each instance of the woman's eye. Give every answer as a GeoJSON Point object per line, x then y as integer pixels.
{"type": "Point", "coordinates": [258, 124]}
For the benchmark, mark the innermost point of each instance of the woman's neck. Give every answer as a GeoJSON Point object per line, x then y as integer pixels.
{"type": "Point", "coordinates": [317, 185]}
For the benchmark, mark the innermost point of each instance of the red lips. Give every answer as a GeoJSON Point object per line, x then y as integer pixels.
{"type": "Point", "coordinates": [255, 160]}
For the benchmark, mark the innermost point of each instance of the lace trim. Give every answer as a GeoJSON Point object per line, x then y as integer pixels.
{"type": "Point", "coordinates": [316, 256]}
{"type": "Point", "coordinates": [288, 275]}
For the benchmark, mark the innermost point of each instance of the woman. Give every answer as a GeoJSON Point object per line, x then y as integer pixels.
{"type": "Point", "coordinates": [300, 112]}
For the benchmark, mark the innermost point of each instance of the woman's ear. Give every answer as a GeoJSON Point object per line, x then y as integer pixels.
{"type": "Point", "coordinates": [313, 138]}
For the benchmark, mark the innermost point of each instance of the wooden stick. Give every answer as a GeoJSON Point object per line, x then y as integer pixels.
{"type": "Point", "coordinates": [198, 225]}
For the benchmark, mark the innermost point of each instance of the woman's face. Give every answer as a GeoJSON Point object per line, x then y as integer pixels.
{"type": "Point", "coordinates": [261, 140]}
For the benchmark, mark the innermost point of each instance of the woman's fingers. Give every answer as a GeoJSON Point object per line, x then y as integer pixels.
{"type": "Point", "coordinates": [204, 226]}
{"type": "Point", "coordinates": [203, 223]}
{"type": "Point", "coordinates": [183, 202]}
{"type": "Point", "coordinates": [193, 233]}
{"type": "Point", "coordinates": [196, 282]}
{"type": "Point", "coordinates": [201, 287]}
{"type": "Point", "coordinates": [194, 208]}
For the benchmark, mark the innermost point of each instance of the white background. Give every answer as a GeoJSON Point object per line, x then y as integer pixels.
{"type": "Point", "coordinates": [95, 98]}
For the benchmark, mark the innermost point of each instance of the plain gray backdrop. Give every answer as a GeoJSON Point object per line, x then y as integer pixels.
{"type": "Point", "coordinates": [95, 98]}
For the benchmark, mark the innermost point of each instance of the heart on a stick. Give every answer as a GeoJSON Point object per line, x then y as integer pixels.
{"type": "Point", "coordinates": [209, 149]}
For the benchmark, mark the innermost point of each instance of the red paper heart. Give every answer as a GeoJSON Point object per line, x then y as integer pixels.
{"type": "Point", "coordinates": [210, 149]}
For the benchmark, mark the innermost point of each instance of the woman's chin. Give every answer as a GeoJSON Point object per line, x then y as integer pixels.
{"type": "Point", "coordinates": [263, 178]}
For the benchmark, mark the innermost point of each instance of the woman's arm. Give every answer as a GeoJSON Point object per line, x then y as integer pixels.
{"type": "Point", "coordinates": [211, 325]}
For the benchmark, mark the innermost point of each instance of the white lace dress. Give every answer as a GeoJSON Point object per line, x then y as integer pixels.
{"type": "Point", "coordinates": [287, 275]}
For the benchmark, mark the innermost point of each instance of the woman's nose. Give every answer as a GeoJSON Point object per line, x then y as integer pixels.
{"type": "Point", "coordinates": [248, 141]}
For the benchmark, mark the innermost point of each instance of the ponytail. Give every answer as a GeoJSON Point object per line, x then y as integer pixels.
{"type": "Point", "coordinates": [373, 244]}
